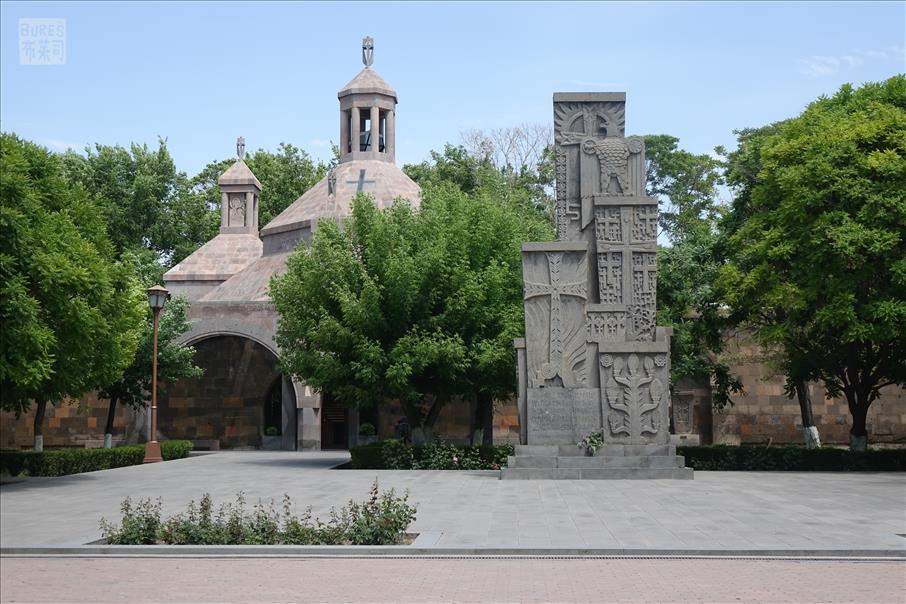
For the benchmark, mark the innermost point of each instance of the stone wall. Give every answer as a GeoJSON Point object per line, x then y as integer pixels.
{"type": "Point", "coordinates": [764, 413]}
{"type": "Point", "coordinates": [69, 424]}
{"type": "Point", "coordinates": [227, 403]}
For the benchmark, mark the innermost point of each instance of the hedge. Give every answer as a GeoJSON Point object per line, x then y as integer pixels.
{"type": "Point", "coordinates": [60, 462]}
{"type": "Point", "coordinates": [395, 455]}
{"type": "Point", "coordinates": [792, 458]}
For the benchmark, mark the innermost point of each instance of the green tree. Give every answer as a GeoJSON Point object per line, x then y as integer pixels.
{"type": "Point", "coordinates": [146, 202]}
{"type": "Point", "coordinates": [174, 361]}
{"type": "Point", "coordinates": [71, 313]}
{"type": "Point", "coordinates": [817, 243]}
{"type": "Point", "coordinates": [686, 186]}
{"type": "Point", "coordinates": [418, 306]}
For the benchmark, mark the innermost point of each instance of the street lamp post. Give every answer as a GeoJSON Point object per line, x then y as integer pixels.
{"type": "Point", "coordinates": [157, 299]}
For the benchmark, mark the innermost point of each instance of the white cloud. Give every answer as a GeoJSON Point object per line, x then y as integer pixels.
{"type": "Point", "coordinates": [817, 66]}
{"type": "Point", "coordinates": [58, 145]}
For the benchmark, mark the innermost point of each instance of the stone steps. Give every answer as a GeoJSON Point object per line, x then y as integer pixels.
{"type": "Point", "coordinates": [647, 461]}
{"type": "Point", "coordinates": [595, 473]}
{"type": "Point", "coordinates": [605, 451]}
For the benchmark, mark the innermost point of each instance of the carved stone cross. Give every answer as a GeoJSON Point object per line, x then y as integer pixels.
{"type": "Point", "coordinates": [361, 182]}
{"type": "Point", "coordinates": [368, 51]}
{"type": "Point", "coordinates": [555, 289]}
{"type": "Point", "coordinates": [240, 147]}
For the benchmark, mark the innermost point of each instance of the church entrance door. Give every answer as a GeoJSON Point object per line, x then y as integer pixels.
{"type": "Point", "coordinates": [334, 424]}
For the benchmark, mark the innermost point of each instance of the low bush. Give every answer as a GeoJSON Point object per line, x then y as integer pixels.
{"type": "Point", "coordinates": [60, 462]}
{"type": "Point", "coordinates": [396, 455]}
{"type": "Point", "coordinates": [793, 458]}
{"type": "Point", "coordinates": [382, 519]}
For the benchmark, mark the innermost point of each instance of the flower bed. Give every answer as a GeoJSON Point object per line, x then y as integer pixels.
{"type": "Point", "coordinates": [396, 455]}
{"type": "Point", "coordinates": [60, 462]}
{"type": "Point", "coordinates": [380, 520]}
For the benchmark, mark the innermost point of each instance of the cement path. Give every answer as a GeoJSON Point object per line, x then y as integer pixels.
{"type": "Point", "coordinates": [716, 511]}
{"type": "Point", "coordinates": [426, 580]}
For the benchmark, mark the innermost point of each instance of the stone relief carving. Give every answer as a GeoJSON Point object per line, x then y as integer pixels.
{"type": "Point", "coordinates": [610, 277]}
{"type": "Point", "coordinates": [566, 352]}
{"type": "Point", "coordinates": [589, 119]}
{"type": "Point", "coordinates": [644, 290]}
{"type": "Point", "coordinates": [634, 389]}
{"type": "Point", "coordinates": [644, 224]}
{"type": "Point", "coordinates": [613, 160]}
{"type": "Point", "coordinates": [682, 415]}
{"type": "Point", "coordinates": [606, 326]}
{"type": "Point", "coordinates": [237, 210]}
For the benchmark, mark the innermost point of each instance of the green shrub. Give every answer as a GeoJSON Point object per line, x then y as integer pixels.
{"type": "Point", "coordinates": [367, 429]}
{"type": "Point", "coordinates": [396, 455]}
{"type": "Point", "coordinates": [382, 519]}
{"type": "Point", "coordinates": [368, 456]}
{"type": "Point", "coordinates": [60, 462]}
{"type": "Point", "coordinates": [792, 458]}
{"type": "Point", "coordinates": [140, 524]}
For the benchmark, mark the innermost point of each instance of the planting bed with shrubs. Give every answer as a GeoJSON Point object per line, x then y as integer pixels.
{"type": "Point", "coordinates": [382, 519]}
{"type": "Point", "coordinates": [792, 458]}
{"type": "Point", "coordinates": [397, 455]}
{"type": "Point", "coordinates": [60, 462]}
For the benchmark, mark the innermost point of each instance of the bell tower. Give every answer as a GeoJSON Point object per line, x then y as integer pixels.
{"type": "Point", "coordinates": [367, 114]}
{"type": "Point", "coordinates": [239, 194]}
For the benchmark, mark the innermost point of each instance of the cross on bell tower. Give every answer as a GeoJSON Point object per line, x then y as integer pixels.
{"type": "Point", "coordinates": [367, 114]}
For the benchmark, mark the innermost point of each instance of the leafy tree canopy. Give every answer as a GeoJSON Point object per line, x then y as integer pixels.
{"type": "Point", "coordinates": [817, 241]}
{"type": "Point", "coordinates": [71, 314]}
{"type": "Point", "coordinates": [419, 306]}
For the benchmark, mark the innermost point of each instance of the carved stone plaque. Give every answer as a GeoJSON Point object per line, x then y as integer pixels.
{"type": "Point", "coordinates": [562, 415]}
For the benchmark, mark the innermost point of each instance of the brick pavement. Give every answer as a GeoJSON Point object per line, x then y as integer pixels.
{"type": "Point", "coordinates": [76, 580]}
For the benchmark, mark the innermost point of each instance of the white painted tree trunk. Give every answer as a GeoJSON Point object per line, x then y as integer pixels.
{"type": "Point", "coordinates": [39, 442]}
{"type": "Point", "coordinates": [858, 443]}
{"type": "Point", "coordinates": [812, 438]}
{"type": "Point", "coordinates": [108, 441]}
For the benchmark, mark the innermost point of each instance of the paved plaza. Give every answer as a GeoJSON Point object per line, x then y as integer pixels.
{"type": "Point", "coordinates": [717, 511]}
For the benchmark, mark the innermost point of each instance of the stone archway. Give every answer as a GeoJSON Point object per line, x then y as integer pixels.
{"type": "Point", "coordinates": [227, 404]}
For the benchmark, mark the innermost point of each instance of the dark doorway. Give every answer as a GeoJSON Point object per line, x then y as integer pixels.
{"type": "Point", "coordinates": [334, 424]}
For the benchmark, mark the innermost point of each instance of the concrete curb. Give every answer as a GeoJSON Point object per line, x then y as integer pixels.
{"type": "Point", "coordinates": [409, 551]}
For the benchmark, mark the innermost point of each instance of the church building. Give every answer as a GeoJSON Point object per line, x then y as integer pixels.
{"type": "Point", "coordinates": [243, 400]}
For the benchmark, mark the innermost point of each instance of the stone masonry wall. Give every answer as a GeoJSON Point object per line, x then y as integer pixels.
{"type": "Point", "coordinates": [69, 424]}
{"type": "Point", "coordinates": [227, 403]}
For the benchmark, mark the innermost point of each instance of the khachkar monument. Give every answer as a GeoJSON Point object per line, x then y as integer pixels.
{"type": "Point", "coordinates": [593, 359]}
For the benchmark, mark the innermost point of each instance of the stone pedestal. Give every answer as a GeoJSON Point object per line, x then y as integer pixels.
{"type": "Point", "coordinates": [593, 359]}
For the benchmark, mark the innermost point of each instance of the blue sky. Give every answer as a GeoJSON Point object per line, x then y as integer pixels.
{"type": "Point", "coordinates": [201, 74]}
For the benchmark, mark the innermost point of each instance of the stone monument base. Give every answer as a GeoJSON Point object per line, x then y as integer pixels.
{"type": "Point", "coordinates": [620, 462]}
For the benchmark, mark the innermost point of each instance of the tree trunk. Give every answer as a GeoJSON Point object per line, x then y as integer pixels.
{"type": "Point", "coordinates": [812, 438]}
{"type": "Point", "coordinates": [858, 434]}
{"type": "Point", "coordinates": [485, 419]}
{"type": "Point", "coordinates": [40, 408]}
{"type": "Point", "coordinates": [108, 429]}
{"type": "Point", "coordinates": [424, 433]}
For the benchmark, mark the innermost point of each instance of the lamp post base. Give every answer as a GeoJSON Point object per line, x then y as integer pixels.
{"type": "Point", "coordinates": [152, 452]}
